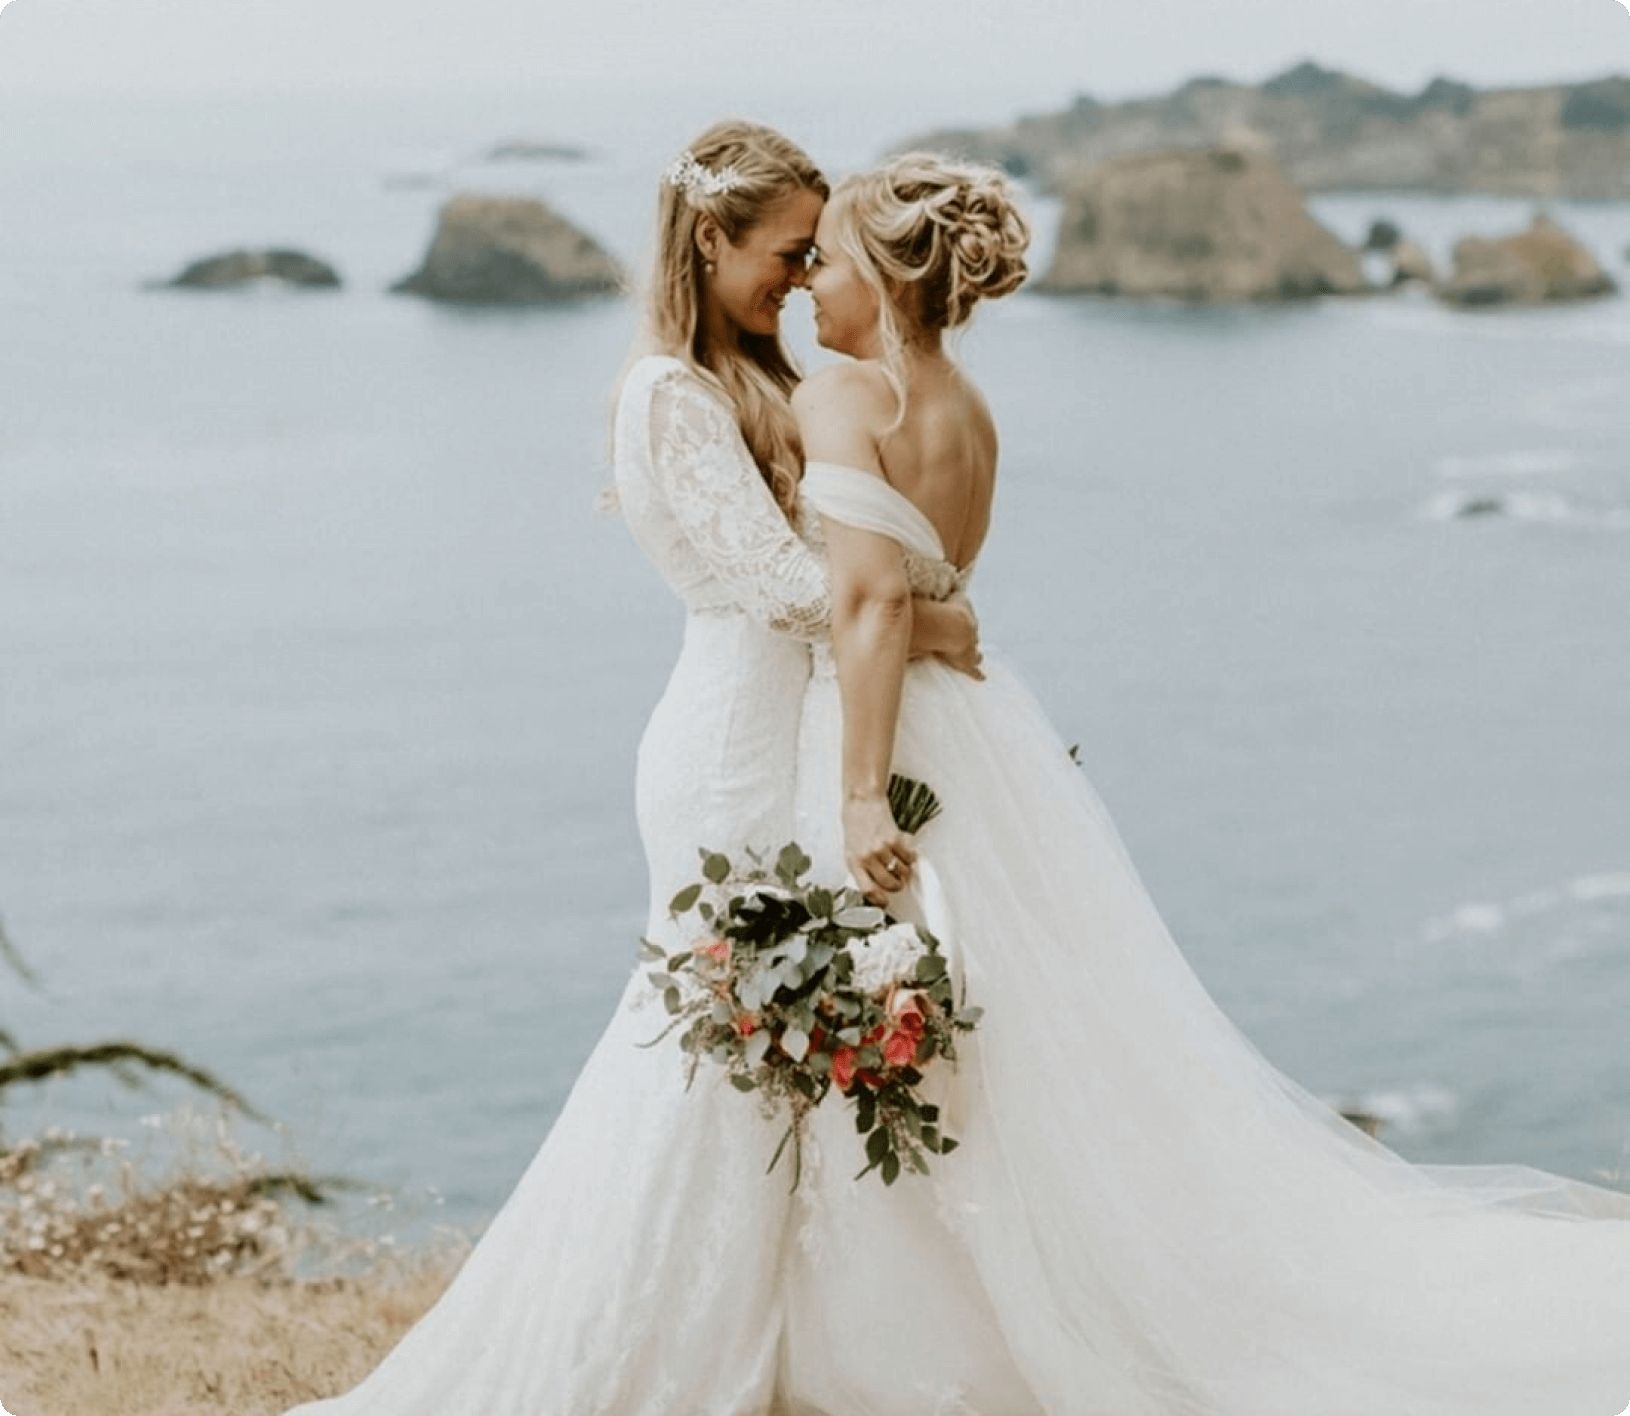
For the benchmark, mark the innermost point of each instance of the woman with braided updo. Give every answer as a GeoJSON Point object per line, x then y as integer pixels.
{"type": "Point", "coordinates": [1143, 1217]}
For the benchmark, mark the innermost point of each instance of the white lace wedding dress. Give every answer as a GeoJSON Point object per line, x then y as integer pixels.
{"type": "Point", "coordinates": [1144, 1217]}
{"type": "Point", "coordinates": [635, 1268]}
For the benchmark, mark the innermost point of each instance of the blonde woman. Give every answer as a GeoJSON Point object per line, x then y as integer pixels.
{"type": "Point", "coordinates": [634, 1270]}
{"type": "Point", "coordinates": [1143, 1217]}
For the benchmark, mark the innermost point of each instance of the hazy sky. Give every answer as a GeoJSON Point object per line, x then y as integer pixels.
{"type": "Point", "coordinates": [1044, 50]}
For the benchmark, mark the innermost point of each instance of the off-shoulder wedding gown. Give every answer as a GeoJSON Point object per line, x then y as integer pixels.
{"type": "Point", "coordinates": [635, 1268]}
{"type": "Point", "coordinates": [1144, 1217]}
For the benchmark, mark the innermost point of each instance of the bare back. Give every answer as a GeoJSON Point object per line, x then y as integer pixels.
{"type": "Point", "coordinates": [943, 458]}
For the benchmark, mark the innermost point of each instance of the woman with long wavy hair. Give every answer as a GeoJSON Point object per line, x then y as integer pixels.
{"type": "Point", "coordinates": [635, 1268]}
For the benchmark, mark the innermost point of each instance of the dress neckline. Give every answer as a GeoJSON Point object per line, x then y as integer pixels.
{"type": "Point", "coordinates": [907, 506]}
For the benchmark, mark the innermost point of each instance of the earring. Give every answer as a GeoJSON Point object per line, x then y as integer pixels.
{"type": "Point", "coordinates": [708, 267]}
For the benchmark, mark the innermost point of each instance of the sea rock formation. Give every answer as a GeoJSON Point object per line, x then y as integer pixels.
{"type": "Point", "coordinates": [1333, 131]}
{"type": "Point", "coordinates": [1384, 235]}
{"type": "Point", "coordinates": [503, 250]}
{"type": "Point", "coordinates": [1202, 226]}
{"type": "Point", "coordinates": [1540, 264]}
{"type": "Point", "coordinates": [1411, 263]}
{"type": "Point", "coordinates": [231, 269]}
{"type": "Point", "coordinates": [535, 150]}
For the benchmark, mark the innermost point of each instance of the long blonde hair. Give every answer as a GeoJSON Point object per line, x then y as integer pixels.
{"type": "Point", "coordinates": [756, 373]}
{"type": "Point", "coordinates": [931, 237]}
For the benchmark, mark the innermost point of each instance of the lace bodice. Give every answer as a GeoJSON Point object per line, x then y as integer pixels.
{"type": "Point", "coordinates": [700, 509]}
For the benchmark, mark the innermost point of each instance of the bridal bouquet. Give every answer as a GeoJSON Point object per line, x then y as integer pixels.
{"type": "Point", "coordinates": [794, 988]}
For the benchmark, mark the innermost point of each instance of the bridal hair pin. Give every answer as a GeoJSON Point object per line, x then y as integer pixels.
{"type": "Point", "coordinates": [691, 176]}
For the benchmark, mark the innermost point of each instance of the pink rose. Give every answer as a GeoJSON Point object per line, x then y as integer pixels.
{"type": "Point", "coordinates": [900, 1048]}
{"type": "Point", "coordinates": [716, 949]}
{"type": "Point", "coordinates": [906, 1007]}
{"type": "Point", "coordinates": [843, 1067]}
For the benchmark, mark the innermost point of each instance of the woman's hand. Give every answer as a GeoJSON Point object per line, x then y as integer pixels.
{"type": "Point", "coordinates": [949, 630]}
{"type": "Point", "coordinates": [878, 853]}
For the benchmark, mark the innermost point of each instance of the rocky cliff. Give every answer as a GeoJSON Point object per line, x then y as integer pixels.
{"type": "Point", "coordinates": [1332, 131]}
{"type": "Point", "coordinates": [1200, 226]}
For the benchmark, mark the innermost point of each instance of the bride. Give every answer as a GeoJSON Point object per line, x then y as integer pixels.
{"type": "Point", "coordinates": [1144, 1217]}
{"type": "Point", "coordinates": [635, 1268]}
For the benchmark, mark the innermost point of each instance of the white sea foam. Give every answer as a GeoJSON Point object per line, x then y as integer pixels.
{"type": "Point", "coordinates": [1517, 462]}
{"type": "Point", "coordinates": [1613, 885]}
{"type": "Point", "coordinates": [1550, 508]}
{"type": "Point", "coordinates": [1411, 1110]}
{"type": "Point", "coordinates": [1477, 918]}
{"type": "Point", "coordinates": [1487, 917]}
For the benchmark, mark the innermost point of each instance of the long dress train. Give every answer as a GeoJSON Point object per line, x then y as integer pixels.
{"type": "Point", "coordinates": [1153, 1219]}
{"type": "Point", "coordinates": [634, 1270]}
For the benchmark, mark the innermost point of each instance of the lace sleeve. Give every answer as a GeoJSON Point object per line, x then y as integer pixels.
{"type": "Point", "coordinates": [729, 515]}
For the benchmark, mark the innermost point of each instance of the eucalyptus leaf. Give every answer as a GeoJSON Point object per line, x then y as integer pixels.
{"type": "Point", "coordinates": [791, 863]}
{"type": "Point", "coordinates": [715, 867]}
{"type": "Point", "coordinates": [795, 1043]}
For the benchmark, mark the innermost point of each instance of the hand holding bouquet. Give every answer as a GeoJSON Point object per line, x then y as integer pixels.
{"type": "Point", "coordinates": [794, 988]}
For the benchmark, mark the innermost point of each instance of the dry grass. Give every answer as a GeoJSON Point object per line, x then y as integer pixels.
{"type": "Point", "coordinates": [98, 1346]}
{"type": "Point", "coordinates": [130, 1296]}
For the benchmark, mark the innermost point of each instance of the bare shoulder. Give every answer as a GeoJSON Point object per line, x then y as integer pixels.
{"type": "Point", "coordinates": [980, 419]}
{"type": "Point", "coordinates": [841, 411]}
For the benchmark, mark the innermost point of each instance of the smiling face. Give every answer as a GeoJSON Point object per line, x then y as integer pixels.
{"type": "Point", "coordinates": [847, 309]}
{"type": "Point", "coordinates": [753, 275]}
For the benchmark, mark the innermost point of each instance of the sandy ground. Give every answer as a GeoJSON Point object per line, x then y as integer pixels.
{"type": "Point", "coordinates": [245, 1346]}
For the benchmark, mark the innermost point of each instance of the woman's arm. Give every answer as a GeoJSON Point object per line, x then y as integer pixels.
{"type": "Point", "coordinates": [871, 635]}
{"type": "Point", "coordinates": [948, 630]}
{"type": "Point", "coordinates": [872, 612]}
{"type": "Point", "coordinates": [730, 517]}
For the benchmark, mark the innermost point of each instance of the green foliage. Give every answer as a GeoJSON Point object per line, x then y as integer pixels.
{"type": "Point", "coordinates": [770, 996]}
{"type": "Point", "coordinates": [912, 804]}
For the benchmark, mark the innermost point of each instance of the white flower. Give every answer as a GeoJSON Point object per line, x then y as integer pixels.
{"type": "Point", "coordinates": [886, 956]}
{"type": "Point", "coordinates": [695, 177]}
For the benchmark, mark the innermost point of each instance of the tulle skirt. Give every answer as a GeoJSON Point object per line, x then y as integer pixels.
{"type": "Point", "coordinates": [1145, 1217]}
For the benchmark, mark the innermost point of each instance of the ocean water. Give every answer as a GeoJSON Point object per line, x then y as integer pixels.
{"type": "Point", "coordinates": [320, 679]}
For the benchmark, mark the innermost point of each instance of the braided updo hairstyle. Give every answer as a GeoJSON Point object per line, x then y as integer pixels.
{"type": "Point", "coordinates": [932, 237]}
